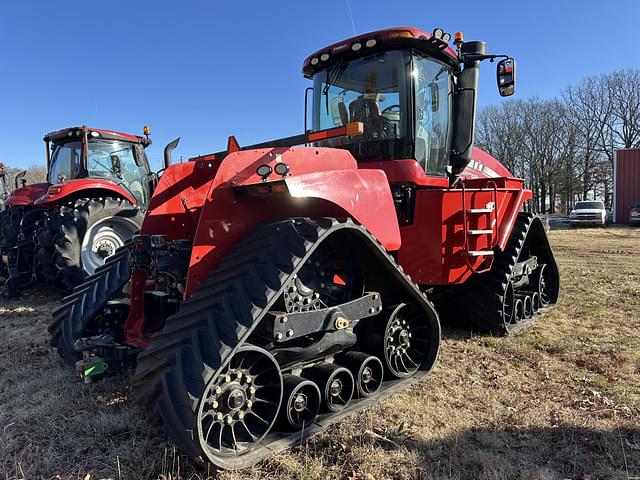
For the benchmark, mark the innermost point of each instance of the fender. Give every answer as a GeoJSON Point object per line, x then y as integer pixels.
{"type": "Point", "coordinates": [27, 195]}
{"type": "Point", "coordinates": [322, 182]}
{"type": "Point", "coordinates": [58, 192]}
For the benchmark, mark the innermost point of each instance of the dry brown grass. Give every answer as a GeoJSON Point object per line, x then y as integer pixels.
{"type": "Point", "coordinates": [561, 400]}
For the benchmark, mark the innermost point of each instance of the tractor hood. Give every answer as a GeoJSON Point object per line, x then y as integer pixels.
{"type": "Point", "coordinates": [27, 195]}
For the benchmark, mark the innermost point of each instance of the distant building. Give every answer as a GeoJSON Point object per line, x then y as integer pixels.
{"type": "Point", "coordinates": [626, 183]}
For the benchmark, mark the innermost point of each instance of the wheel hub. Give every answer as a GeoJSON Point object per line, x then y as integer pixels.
{"type": "Point", "coordinates": [366, 375]}
{"type": "Point", "coordinates": [300, 402]}
{"type": "Point", "coordinates": [236, 398]}
{"type": "Point", "coordinates": [335, 388]}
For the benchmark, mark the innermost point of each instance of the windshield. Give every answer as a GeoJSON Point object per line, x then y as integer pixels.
{"type": "Point", "coordinates": [115, 161]}
{"type": "Point", "coordinates": [585, 205]}
{"type": "Point", "coordinates": [370, 90]}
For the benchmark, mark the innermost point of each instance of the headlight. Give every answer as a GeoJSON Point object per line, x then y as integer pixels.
{"type": "Point", "coordinates": [572, 213]}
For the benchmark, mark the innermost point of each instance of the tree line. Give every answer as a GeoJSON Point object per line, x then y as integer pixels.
{"type": "Point", "coordinates": [564, 147]}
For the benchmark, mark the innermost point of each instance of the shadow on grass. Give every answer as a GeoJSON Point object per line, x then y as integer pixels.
{"type": "Point", "coordinates": [562, 452]}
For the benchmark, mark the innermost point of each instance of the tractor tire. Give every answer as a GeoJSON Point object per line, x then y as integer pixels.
{"type": "Point", "coordinates": [76, 240]}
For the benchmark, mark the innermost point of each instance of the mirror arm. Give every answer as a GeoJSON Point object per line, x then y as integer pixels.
{"type": "Point", "coordinates": [479, 58]}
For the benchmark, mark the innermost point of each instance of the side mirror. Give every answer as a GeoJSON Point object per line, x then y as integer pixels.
{"type": "Point", "coordinates": [20, 179]}
{"type": "Point", "coordinates": [506, 77]}
{"type": "Point", "coordinates": [116, 166]}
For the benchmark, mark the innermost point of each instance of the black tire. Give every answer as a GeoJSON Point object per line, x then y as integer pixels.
{"type": "Point", "coordinates": [60, 240]}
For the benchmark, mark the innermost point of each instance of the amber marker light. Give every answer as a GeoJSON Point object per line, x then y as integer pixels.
{"type": "Point", "coordinates": [355, 128]}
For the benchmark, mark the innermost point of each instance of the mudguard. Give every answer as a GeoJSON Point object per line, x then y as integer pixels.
{"type": "Point", "coordinates": [55, 194]}
{"type": "Point", "coordinates": [322, 182]}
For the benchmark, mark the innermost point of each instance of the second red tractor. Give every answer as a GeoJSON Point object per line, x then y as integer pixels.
{"type": "Point", "coordinates": [98, 187]}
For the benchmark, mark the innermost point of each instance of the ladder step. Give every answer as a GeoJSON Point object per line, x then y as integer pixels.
{"type": "Point", "coordinates": [480, 253]}
{"type": "Point", "coordinates": [480, 232]}
{"type": "Point", "coordinates": [479, 210]}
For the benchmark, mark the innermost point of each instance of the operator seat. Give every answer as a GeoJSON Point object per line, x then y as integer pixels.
{"type": "Point", "coordinates": [367, 111]}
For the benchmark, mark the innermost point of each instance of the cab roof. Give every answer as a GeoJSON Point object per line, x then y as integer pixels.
{"type": "Point", "coordinates": [380, 40]}
{"type": "Point", "coordinates": [75, 132]}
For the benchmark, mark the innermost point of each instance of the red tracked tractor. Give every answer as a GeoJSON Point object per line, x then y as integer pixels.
{"type": "Point", "coordinates": [98, 187]}
{"type": "Point", "coordinates": [276, 288]}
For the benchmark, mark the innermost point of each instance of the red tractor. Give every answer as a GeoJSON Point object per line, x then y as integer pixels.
{"type": "Point", "coordinates": [276, 288]}
{"type": "Point", "coordinates": [98, 187]}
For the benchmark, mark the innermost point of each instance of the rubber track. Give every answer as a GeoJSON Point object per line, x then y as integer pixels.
{"type": "Point", "coordinates": [480, 299]}
{"type": "Point", "coordinates": [198, 341]}
{"type": "Point", "coordinates": [87, 300]}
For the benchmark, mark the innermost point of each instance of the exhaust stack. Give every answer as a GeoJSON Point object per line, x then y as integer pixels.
{"type": "Point", "coordinates": [171, 146]}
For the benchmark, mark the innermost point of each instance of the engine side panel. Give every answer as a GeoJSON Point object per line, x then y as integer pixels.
{"type": "Point", "coordinates": [443, 259]}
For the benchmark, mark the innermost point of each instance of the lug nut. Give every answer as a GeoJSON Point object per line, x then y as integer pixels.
{"type": "Point", "coordinates": [240, 415]}
{"type": "Point", "coordinates": [218, 390]}
{"type": "Point", "coordinates": [239, 374]}
{"type": "Point", "coordinates": [372, 310]}
{"type": "Point", "coordinates": [229, 420]}
{"type": "Point", "coordinates": [289, 333]}
{"type": "Point", "coordinates": [252, 390]}
{"type": "Point", "coordinates": [227, 378]}
{"type": "Point", "coordinates": [249, 403]}
{"type": "Point", "coordinates": [248, 379]}
{"type": "Point", "coordinates": [278, 336]}
{"type": "Point", "coordinates": [219, 416]}
{"type": "Point", "coordinates": [214, 404]}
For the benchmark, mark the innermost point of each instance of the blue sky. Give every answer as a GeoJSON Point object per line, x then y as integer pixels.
{"type": "Point", "coordinates": [204, 70]}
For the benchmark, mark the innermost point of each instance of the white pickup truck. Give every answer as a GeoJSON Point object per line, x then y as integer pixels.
{"type": "Point", "coordinates": [588, 213]}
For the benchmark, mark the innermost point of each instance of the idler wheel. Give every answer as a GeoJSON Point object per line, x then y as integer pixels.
{"type": "Point", "coordinates": [300, 402]}
{"type": "Point", "coordinates": [544, 284]}
{"type": "Point", "coordinates": [527, 307]}
{"type": "Point", "coordinates": [336, 382]}
{"type": "Point", "coordinates": [406, 342]}
{"type": "Point", "coordinates": [240, 405]}
{"type": "Point", "coordinates": [366, 369]}
{"type": "Point", "coordinates": [507, 304]}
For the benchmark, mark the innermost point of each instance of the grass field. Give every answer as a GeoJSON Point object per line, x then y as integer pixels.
{"type": "Point", "coordinates": [559, 401]}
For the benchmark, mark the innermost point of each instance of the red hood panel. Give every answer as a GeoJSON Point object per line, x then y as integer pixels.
{"type": "Point", "coordinates": [27, 195]}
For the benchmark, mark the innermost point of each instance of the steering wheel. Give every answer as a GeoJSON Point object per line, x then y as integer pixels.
{"type": "Point", "coordinates": [389, 108]}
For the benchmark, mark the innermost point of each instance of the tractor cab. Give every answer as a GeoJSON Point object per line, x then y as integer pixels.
{"type": "Point", "coordinates": [85, 153]}
{"type": "Point", "coordinates": [410, 91]}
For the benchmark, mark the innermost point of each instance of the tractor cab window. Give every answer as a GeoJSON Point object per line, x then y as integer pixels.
{"type": "Point", "coordinates": [116, 161]}
{"type": "Point", "coordinates": [66, 161]}
{"type": "Point", "coordinates": [432, 83]}
{"type": "Point", "coordinates": [370, 90]}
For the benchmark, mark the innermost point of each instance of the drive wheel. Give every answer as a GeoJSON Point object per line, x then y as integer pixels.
{"type": "Point", "coordinates": [78, 239]}
{"type": "Point", "coordinates": [239, 406]}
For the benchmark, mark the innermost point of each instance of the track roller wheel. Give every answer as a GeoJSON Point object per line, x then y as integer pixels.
{"type": "Point", "coordinates": [518, 311]}
{"type": "Point", "coordinates": [535, 302]}
{"type": "Point", "coordinates": [366, 369]}
{"type": "Point", "coordinates": [527, 307]}
{"type": "Point", "coordinates": [239, 406]}
{"type": "Point", "coordinates": [300, 402]}
{"type": "Point", "coordinates": [336, 382]}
